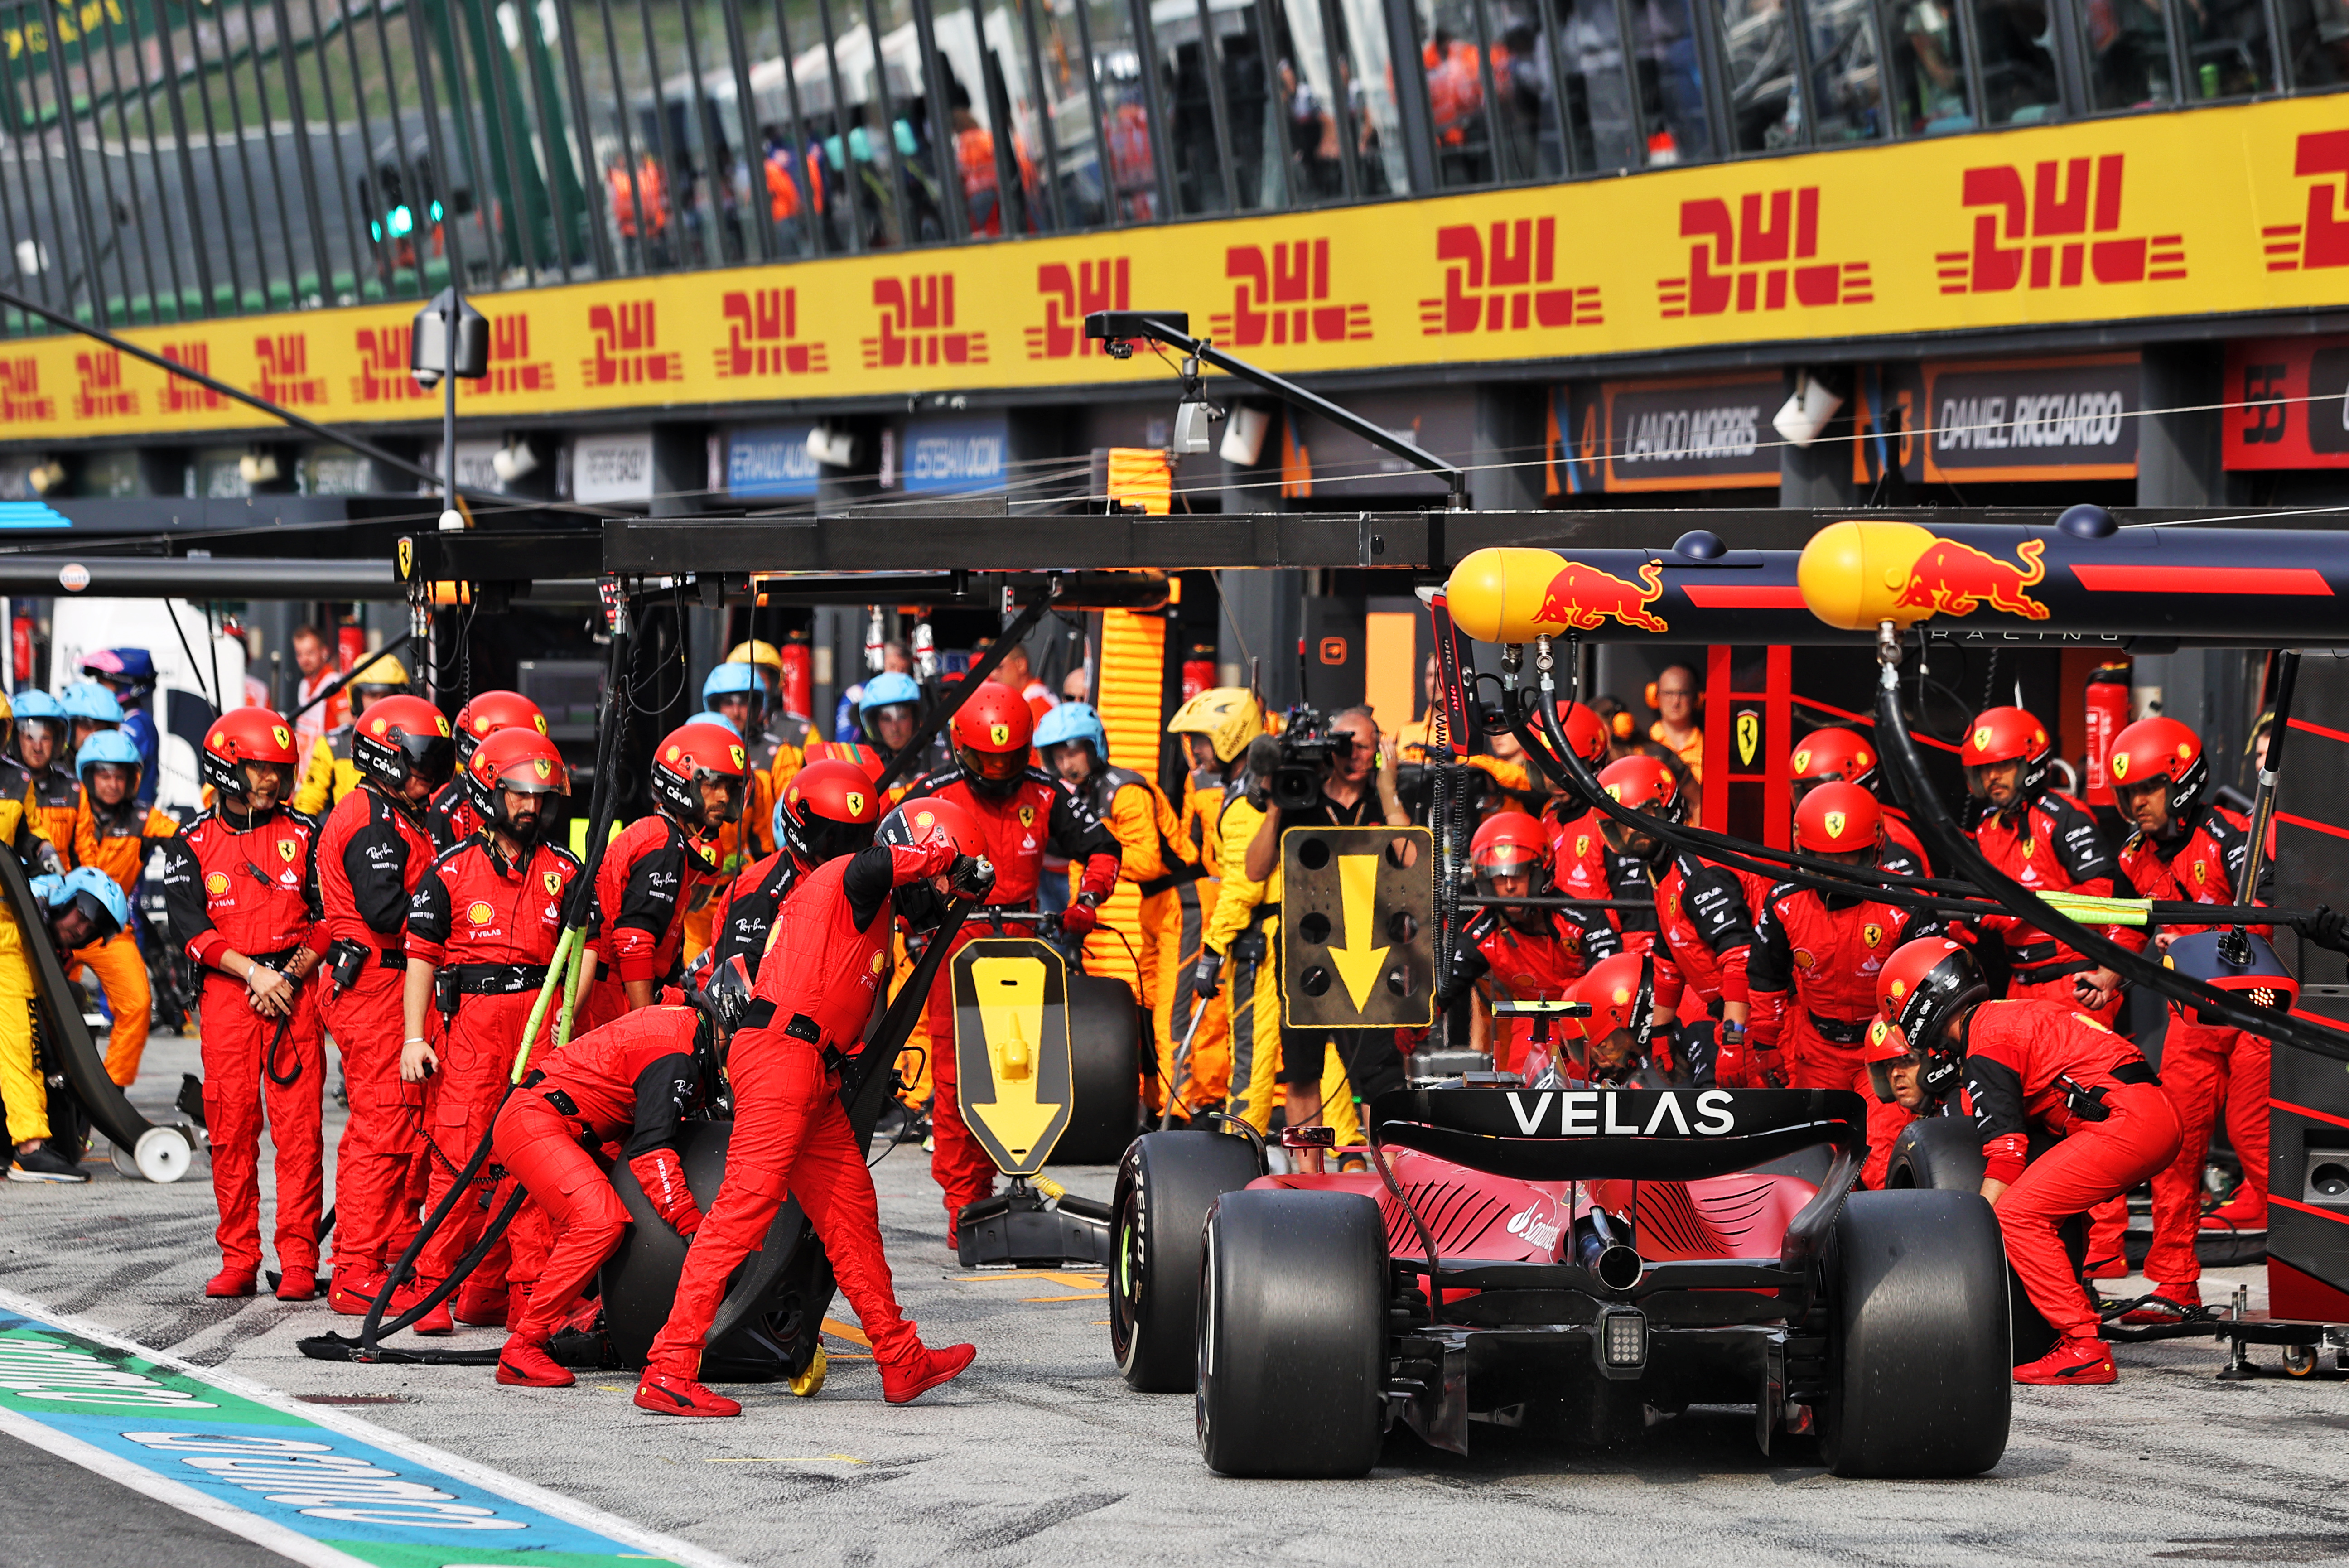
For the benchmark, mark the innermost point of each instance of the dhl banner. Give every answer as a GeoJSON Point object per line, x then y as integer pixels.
{"type": "Point", "coordinates": [2210, 211]}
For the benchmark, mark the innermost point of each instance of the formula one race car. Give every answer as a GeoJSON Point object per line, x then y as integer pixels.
{"type": "Point", "coordinates": [1596, 1253]}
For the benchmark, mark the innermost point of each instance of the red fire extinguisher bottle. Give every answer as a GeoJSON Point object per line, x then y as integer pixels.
{"type": "Point", "coordinates": [1199, 670]}
{"type": "Point", "coordinates": [798, 675]}
{"type": "Point", "coordinates": [2108, 715]}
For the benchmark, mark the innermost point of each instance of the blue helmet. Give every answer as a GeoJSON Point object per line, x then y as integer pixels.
{"type": "Point", "coordinates": [733, 680]}
{"type": "Point", "coordinates": [35, 704]}
{"type": "Point", "coordinates": [710, 716]}
{"type": "Point", "coordinates": [131, 669]}
{"type": "Point", "coordinates": [95, 893]}
{"type": "Point", "coordinates": [109, 746]}
{"type": "Point", "coordinates": [887, 690]}
{"type": "Point", "coordinates": [90, 703]}
{"type": "Point", "coordinates": [1072, 722]}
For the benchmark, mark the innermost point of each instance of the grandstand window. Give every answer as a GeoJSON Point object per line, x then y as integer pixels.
{"type": "Point", "coordinates": [1758, 46]}
{"type": "Point", "coordinates": [1847, 71]}
{"type": "Point", "coordinates": [1927, 53]}
{"type": "Point", "coordinates": [1599, 129]}
{"type": "Point", "coordinates": [2125, 50]}
{"type": "Point", "coordinates": [1671, 80]}
{"type": "Point", "coordinates": [2019, 82]}
{"type": "Point", "coordinates": [2316, 42]}
{"type": "Point", "coordinates": [2230, 50]}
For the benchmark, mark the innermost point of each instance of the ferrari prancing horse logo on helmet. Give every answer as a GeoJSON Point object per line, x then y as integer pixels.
{"type": "Point", "coordinates": [1981, 739]}
{"type": "Point", "coordinates": [280, 734]}
{"type": "Point", "coordinates": [2119, 765]}
{"type": "Point", "coordinates": [855, 801]}
{"type": "Point", "coordinates": [999, 734]}
{"type": "Point", "coordinates": [1836, 821]}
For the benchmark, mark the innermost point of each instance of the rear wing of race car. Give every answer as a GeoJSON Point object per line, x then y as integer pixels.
{"type": "Point", "coordinates": [1643, 1135]}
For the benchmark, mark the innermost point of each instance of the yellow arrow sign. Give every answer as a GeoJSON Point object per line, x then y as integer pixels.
{"type": "Point", "coordinates": [1357, 966]}
{"type": "Point", "coordinates": [1011, 1010]}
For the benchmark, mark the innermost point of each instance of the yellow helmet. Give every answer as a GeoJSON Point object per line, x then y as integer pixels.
{"type": "Point", "coordinates": [756, 652]}
{"type": "Point", "coordinates": [1228, 715]}
{"type": "Point", "coordinates": [383, 670]}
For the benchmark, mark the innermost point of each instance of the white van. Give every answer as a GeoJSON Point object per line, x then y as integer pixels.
{"type": "Point", "coordinates": [183, 702]}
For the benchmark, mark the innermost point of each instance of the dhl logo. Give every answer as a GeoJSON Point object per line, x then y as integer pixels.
{"type": "Point", "coordinates": [285, 370]}
{"type": "Point", "coordinates": [627, 348]}
{"type": "Point", "coordinates": [1581, 597]}
{"type": "Point", "coordinates": [384, 375]}
{"type": "Point", "coordinates": [917, 325]}
{"type": "Point", "coordinates": [1069, 299]}
{"type": "Point", "coordinates": [2323, 239]}
{"type": "Point", "coordinates": [102, 394]}
{"type": "Point", "coordinates": [2064, 199]}
{"type": "Point", "coordinates": [759, 322]}
{"type": "Point", "coordinates": [1765, 258]}
{"type": "Point", "coordinates": [20, 391]}
{"type": "Point", "coordinates": [185, 397]}
{"type": "Point", "coordinates": [1498, 285]}
{"type": "Point", "coordinates": [1280, 295]}
{"type": "Point", "coordinates": [512, 369]}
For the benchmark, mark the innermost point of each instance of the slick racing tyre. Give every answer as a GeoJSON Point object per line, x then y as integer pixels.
{"type": "Point", "coordinates": [1165, 1185]}
{"type": "Point", "coordinates": [1919, 1374]}
{"type": "Point", "coordinates": [1105, 1074]}
{"type": "Point", "coordinates": [1943, 1154]}
{"type": "Point", "coordinates": [1292, 1341]}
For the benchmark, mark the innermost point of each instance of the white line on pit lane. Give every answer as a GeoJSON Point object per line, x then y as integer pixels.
{"type": "Point", "coordinates": [267, 1533]}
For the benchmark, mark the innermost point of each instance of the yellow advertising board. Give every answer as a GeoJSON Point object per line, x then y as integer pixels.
{"type": "Point", "coordinates": [2201, 212]}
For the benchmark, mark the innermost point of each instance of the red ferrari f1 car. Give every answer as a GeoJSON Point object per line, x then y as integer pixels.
{"type": "Point", "coordinates": [1566, 1258]}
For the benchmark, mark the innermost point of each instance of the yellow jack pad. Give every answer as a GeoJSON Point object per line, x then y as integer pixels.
{"type": "Point", "coordinates": [807, 1383]}
{"type": "Point", "coordinates": [1012, 1068]}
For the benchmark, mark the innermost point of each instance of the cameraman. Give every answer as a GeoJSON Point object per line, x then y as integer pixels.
{"type": "Point", "coordinates": [1357, 790]}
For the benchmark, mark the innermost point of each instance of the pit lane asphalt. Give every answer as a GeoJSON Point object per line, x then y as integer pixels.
{"type": "Point", "coordinates": [1040, 1454]}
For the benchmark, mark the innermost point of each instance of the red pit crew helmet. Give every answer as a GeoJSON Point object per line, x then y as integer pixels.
{"type": "Point", "coordinates": [244, 735]}
{"type": "Point", "coordinates": [402, 737]}
{"type": "Point", "coordinates": [1830, 754]}
{"type": "Point", "coordinates": [2003, 735]}
{"type": "Point", "coordinates": [992, 733]}
{"type": "Point", "coordinates": [1923, 985]}
{"type": "Point", "coordinates": [687, 757]}
{"type": "Point", "coordinates": [1837, 819]}
{"type": "Point", "coordinates": [828, 810]}
{"type": "Point", "coordinates": [491, 712]}
{"type": "Point", "coordinates": [2160, 748]}
{"type": "Point", "coordinates": [1510, 843]}
{"type": "Point", "coordinates": [525, 762]}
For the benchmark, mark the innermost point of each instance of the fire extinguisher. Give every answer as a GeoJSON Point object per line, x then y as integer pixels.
{"type": "Point", "coordinates": [798, 675]}
{"type": "Point", "coordinates": [1199, 670]}
{"type": "Point", "coordinates": [2108, 715]}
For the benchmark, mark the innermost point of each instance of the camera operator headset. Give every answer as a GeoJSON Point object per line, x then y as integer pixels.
{"type": "Point", "coordinates": [1332, 773]}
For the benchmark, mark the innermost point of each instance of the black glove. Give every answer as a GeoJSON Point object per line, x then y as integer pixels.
{"type": "Point", "coordinates": [1206, 976]}
{"type": "Point", "coordinates": [2327, 928]}
{"type": "Point", "coordinates": [971, 877]}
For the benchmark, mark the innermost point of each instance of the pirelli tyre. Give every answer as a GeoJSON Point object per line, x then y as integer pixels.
{"type": "Point", "coordinates": [1292, 1341]}
{"type": "Point", "coordinates": [1165, 1185]}
{"type": "Point", "coordinates": [1920, 1379]}
{"type": "Point", "coordinates": [1105, 1037]}
{"type": "Point", "coordinates": [1944, 1154]}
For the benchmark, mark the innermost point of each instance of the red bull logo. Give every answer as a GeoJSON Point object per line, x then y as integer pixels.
{"type": "Point", "coordinates": [1581, 598]}
{"type": "Point", "coordinates": [1950, 578]}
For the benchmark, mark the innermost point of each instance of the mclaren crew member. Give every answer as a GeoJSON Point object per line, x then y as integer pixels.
{"type": "Point", "coordinates": [331, 772]}
{"type": "Point", "coordinates": [888, 711]}
{"type": "Point", "coordinates": [828, 810]}
{"type": "Point", "coordinates": [2034, 1066]}
{"type": "Point", "coordinates": [80, 909]}
{"type": "Point", "coordinates": [115, 834]}
{"type": "Point", "coordinates": [1018, 812]}
{"type": "Point", "coordinates": [2190, 852]}
{"type": "Point", "coordinates": [1215, 728]}
{"type": "Point", "coordinates": [731, 697]}
{"type": "Point", "coordinates": [816, 990]}
{"type": "Point", "coordinates": [1812, 975]}
{"type": "Point", "coordinates": [1837, 756]}
{"type": "Point", "coordinates": [244, 906]}
{"type": "Point", "coordinates": [51, 793]}
{"type": "Point", "coordinates": [1512, 953]}
{"type": "Point", "coordinates": [482, 924]}
{"type": "Point", "coordinates": [2048, 841]}
{"type": "Point", "coordinates": [12, 772]}
{"type": "Point", "coordinates": [92, 709]}
{"type": "Point", "coordinates": [373, 851]}
{"type": "Point", "coordinates": [1358, 789]}
{"type": "Point", "coordinates": [631, 1085]}
{"type": "Point", "coordinates": [779, 739]}
{"type": "Point", "coordinates": [1153, 856]}
{"type": "Point", "coordinates": [129, 674]}
{"type": "Point", "coordinates": [451, 818]}
{"type": "Point", "coordinates": [700, 776]}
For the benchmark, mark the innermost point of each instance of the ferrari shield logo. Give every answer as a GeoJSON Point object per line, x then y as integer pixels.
{"type": "Point", "coordinates": [2201, 873]}
{"type": "Point", "coordinates": [406, 558]}
{"type": "Point", "coordinates": [1000, 734]}
{"type": "Point", "coordinates": [856, 800]}
{"type": "Point", "coordinates": [552, 883]}
{"type": "Point", "coordinates": [281, 736]}
{"type": "Point", "coordinates": [1026, 816]}
{"type": "Point", "coordinates": [1749, 736]}
{"type": "Point", "coordinates": [2119, 765]}
{"type": "Point", "coordinates": [737, 755]}
{"type": "Point", "coordinates": [544, 769]}
{"type": "Point", "coordinates": [1981, 739]}
{"type": "Point", "coordinates": [288, 850]}
{"type": "Point", "coordinates": [1802, 761]}
{"type": "Point", "coordinates": [1836, 820]}
{"type": "Point", "coordinates": [1871, 934]}
{"type": "Point", "coordinates": [1581, 845]}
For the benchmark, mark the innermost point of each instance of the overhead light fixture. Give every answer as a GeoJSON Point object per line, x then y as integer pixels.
{"type": "Point", "coordinates": [1806, 413]}
{"type": "Point", "coordinates": [833, 448]}
{"type": "Point", "coordinates": [1243, 436]}
{"type": "Point", "coordinates": [258, 466]}
{"type": "Point", "coordinates": [1193, 416]}
{"type": "Point", "coordinates": [513, 460]}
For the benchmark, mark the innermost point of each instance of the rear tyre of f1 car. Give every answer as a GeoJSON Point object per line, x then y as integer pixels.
{"type": "Point", "coordinates": [1944, 1154]}
{"type": "Point", "coordinates": [1919, 1380]}
{"type": "Point", "coordinates": [1292, 1341]}
{"type": "Point", "coordinates": [1165, 1185]}
{"type": "Point", "coordinates": [1105, 1032]}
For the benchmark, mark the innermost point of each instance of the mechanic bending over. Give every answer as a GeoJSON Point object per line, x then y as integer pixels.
{"type": "Point", "coordinates": [1701, 911]}
{"type": "Point", "coordinates": [1358, 790]}
{"type": "Point", "coordinates": [1516, 954]}
{"type": "Point", "coordinates": [2028, 1064]}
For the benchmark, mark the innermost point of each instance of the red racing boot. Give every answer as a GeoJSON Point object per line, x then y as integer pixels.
{"type": "Point", "coordinates": [912, 1376]}
{"type": "Point", "coordinates": [297, 1283]}
{"type": "Point", "coordinates": [524, 1363]}
{"type": "Point", "coordinates": [229, 1282]}
{"type": "Point", "coordinates": [351, 1292]}
{"type": "Point", "coordinates": [669, 1395]}
{"type": "Point", "coordinates": [2177, 1303]}
{"type": "Point", "coordinates": [2243, 1213]}
{"type": "Point", "coordinates": [481, 1303]}
{"type": "Point", "coordinates": [2074, 1359]}
{"type": "Point", "coordinates": [437, 1321]}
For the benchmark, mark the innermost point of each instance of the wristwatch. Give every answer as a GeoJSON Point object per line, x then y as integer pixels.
{"type": "Point", "coordinates": [1091, 901]}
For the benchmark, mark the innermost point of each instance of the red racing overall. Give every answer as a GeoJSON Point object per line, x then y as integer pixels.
{"type": "Point", "coordinates": [1536, 965]}
{"type": "Point", "coordinates": [1040, 812]}
{"type": "Point", "coordinates": [2203, 1064]}
{"type": "Point", "coordinates": [490, 928]}
{"type": "Point", "coordinates": [1810, 981]}
{"type": "Point", "coordinates": [241, 883]}
{"type": "Point", "coordinates": [1705, 915]}
{"type": "Point", "coordinates": [629, 1083]}
{"type": "Point", "coordinates": [1583, 864]}
{"type": "Point", "coordinates": [742, 916]}
{"type": "Point", "coordinates": [2049, 844]}
{"type": "Point", "coordinates": [643, 887]}
{"type": "Point", "coordinates": [449, 819]}
{"type": "Point", "coordinates": [2050, 1066]}
{"type": "Point", "coordinates": [370, 856]}
{"type": "Point", "coordinates": [792, 1139]}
